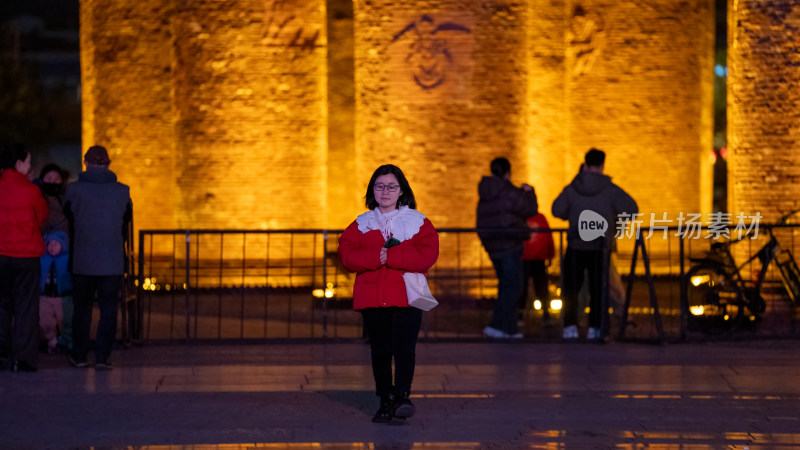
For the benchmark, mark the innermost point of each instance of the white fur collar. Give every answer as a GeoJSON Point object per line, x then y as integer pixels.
{"type": "Point", "coordinates": [402, 223]}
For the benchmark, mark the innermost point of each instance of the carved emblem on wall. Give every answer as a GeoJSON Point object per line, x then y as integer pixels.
{"type": "Point", "coordinates": [429, 54]}
{"type": "Point", "coordinates": [284, 25]}
{"type": "Point", "coordinates": [586, 35]}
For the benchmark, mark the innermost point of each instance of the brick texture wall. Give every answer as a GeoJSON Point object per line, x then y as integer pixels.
{"type": "Point", "coordinates": [244, 114]}
{"type": "Point", "coordinates": [215, 112]}
{"type": "Point", "coordinates": [127, 101]}
{"type": "Point", "coordinates": [546, 135]}
{"type": "Point", "coordinates": [764, 107]}
{"type": "Point", "coordinates": [639, 86]}
{"type": "Point", "coordinates": [445, 129]}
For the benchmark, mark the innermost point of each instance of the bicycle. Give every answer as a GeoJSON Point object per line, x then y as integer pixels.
{"type": "Point", "coordinates": [720, 300]}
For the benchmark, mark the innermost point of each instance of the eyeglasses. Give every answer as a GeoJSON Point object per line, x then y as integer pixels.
{"type": "Point", "coordinates": [388, 187]}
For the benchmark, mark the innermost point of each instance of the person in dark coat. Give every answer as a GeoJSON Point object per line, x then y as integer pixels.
{"type": "Point", "coordinates": [590, 194]}
{"type": "Point", "coordinates": [52, 182]}
{"type": "Point", "coordinates": [22, 211]}
{"type": "Point", "coordinates": [502, 228]}
{"type": "Point", "coordinates": [99, 210]}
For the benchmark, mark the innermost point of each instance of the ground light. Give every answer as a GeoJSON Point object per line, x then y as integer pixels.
{"type": "Point", "coordinates": [555, 304]}
{"type": "Point", "coordinates": [328, 292]}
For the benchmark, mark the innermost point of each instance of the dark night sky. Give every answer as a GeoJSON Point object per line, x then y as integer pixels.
{"type": "Point", "coordinates": [58, 14]}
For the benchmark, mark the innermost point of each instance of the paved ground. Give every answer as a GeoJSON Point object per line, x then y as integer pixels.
{"type": "Point", "coordinates": [468, 395]}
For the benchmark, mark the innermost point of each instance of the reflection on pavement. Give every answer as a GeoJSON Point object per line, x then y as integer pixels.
{"type": "Point", "coordinates": [544, 439]}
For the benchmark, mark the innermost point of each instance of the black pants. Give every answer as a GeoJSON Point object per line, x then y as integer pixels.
{"type": "Point", "coordinates": [536, 270]}
{"type": "Point", "coordinates": [108, 290]}
{"type": "Point", "coordinates": [392, 332]}
{"type": "Point", "coordinates": [575, 262]}
{"type": "Point", "coordinates": [19, 303]}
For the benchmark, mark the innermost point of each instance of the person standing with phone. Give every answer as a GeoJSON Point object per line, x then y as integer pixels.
{"type": "Point", "coordinates": [380, 245]}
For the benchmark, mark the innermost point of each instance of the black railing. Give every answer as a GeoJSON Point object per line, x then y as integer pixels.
{"type": "Point", "coordinates": [289, 284]}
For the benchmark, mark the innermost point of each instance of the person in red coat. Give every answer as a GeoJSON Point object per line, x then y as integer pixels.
{"type": "Point", "coordinates": [23, 210]}
{"type": "Point", "coordinates": [380, 245]}
{"type": "Point", "coordinates": [537, 252]}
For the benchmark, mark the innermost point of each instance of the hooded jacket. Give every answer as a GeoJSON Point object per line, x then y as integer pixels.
{"type": "Point", "coordinates": [502, 212]}
{"type": "Point", "coordinates": [63, 280]}
{"type": "Point", "coordinates": [593, 192]}
{"type": "Point", "coordinates": [99, 210]}
{"type": "Point", "coordinates": [22, 211]}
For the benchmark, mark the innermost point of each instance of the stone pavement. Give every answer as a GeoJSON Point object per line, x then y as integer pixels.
{"type": "Point", "coordinates": [469, 395]}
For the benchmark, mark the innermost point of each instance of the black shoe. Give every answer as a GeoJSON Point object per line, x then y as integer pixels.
{"type": "Point", "coordinates": [23, 366]}
{"type": "Point", "coordinates": [384, 414]}
{"type": "Point", "coordinates": [103, 365]}
{"type": "Point", "coordinates": [402, 406]}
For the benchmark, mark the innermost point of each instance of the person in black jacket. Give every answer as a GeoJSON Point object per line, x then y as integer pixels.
{"type": "Point", "coordinates": [99, 210]}
{"type": "Point", "coordinates": [502, 228]}
{"type": "Point", "coordinates": [591, 196]}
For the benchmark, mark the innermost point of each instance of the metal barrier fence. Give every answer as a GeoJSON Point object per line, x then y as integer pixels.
{"type": "Point", "coordinates": [289, 284]}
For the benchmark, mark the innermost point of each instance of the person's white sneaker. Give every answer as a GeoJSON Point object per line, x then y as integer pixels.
{"type": "Point", "coordinates": [593, 334]}
{"type": "Point", "coordinates": [570, 332]}
{"type": "Point", "coordinates": [494, 333]}
{"type": "Point", "coordinates": [515, 336]}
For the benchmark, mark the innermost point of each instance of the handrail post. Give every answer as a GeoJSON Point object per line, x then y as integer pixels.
{"type": "Point", "coordinates": [139, 300]}
{"type": "Point", "coordinates": [684, 297]}
{"type": "Point", "coordinates": [325, 284]}
{"type": "Point", "coordinates": [186, 289]}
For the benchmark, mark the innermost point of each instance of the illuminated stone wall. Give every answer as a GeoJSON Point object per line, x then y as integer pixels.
{"type": "Point", "coordinates": [546, 137]}
{"type": "Point", "coordinates": [273, 114]}
{"type": "Point", "coordinates": [251, 89]}
{"type": "Point", "coordinates": [127, 101]}
{"type": "Point", "coordinates": [639, 86]}
{"type": "Point", "coordinates": [214, 112]}
{"type": "Point", "coordinates": [343, 182]}
{"type": "Point", "coordinates": [440, 93]}
{"type": "Point", "coordinates": [763, 107]}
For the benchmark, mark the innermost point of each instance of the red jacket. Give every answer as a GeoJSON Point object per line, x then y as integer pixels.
{"type": "Point", "coordinates": [380, 285]}
{"type": "Point", "coordinates": [540, 245]}
{"type": "Point", "coordinates": [23, 210]}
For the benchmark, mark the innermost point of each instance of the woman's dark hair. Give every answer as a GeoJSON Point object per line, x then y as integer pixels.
{"type": "Point", "coordinates": [407, 198]}
{"type": "Point", "coordinates": [11, 154]}
{"type": "Point", "coordinates": [52, 167]}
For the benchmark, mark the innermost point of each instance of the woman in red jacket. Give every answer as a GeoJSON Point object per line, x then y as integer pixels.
{"type": "Point", "coordinates": [383, 243]}
{"type": "Point", "coordinates": [22, 211]}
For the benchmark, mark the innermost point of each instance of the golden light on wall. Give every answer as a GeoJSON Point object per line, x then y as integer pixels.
{"type": "Point", "coordinates": [763, 107]}
{"type": "Point", "coordinates": [639, 86]}
{"type": "Point", "coordinates": [421, 84]}
{"type": "Point", "coordinates": [236, 115]}
{"type": "Point", "coordinates": [215, 113]}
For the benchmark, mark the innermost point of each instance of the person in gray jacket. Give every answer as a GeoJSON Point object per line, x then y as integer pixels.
{"type": "Point", "coordinates": [502, 224]}
{"type": "Point", "coordinates": [99, 211]}
{"type": "Point", "coordinates": [591, 203]}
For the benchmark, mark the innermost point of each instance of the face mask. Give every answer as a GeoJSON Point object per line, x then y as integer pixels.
{"type": "Point", "coordinates": [51, 188]}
